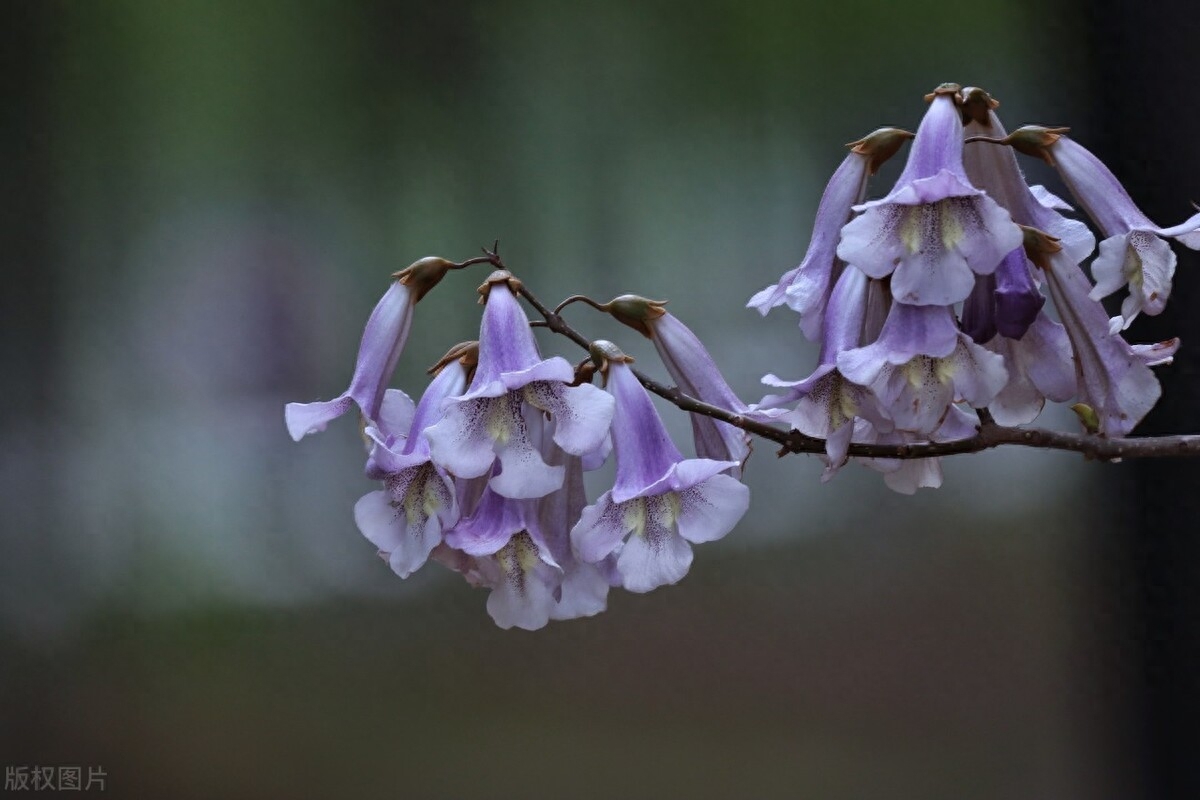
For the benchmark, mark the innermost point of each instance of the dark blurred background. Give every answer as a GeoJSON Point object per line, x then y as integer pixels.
{"type": "Point", "coordinates": [203, 200]}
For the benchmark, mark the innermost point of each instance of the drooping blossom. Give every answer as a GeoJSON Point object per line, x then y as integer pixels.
{"type": "Point", "coordinates": [806, 288]}
{"type": "Point", "coordinates": [503, 549]}
{"type": "Point", "coordinates": [382, 342]}
{"type": "Point", "coordinates": [660, 503]}
{"type": "Point", "coordinates": [694, 372]}
{"type": "Point", "coordinates": [1112, 378]}
{"type": "Point", "coordinates": [1040, 368]}
{"type": "Point", "coordinates": [935, 231]}
{"type": "Point", "coordinates": [406, 518]}
{"type": "Point", "coordinates": [921, 364]}
{"type": "Point", "coordinates": [487, 423]}
{"type": "Point", "coordinates": [996, 171]}
{"type": "Point", "coordinates": [826, 403]}
{"type": "Point", "coordinates": [1134, 253]}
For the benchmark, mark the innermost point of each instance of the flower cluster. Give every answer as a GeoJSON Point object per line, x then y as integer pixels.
{"type": "Point", "coordinates": [929, 303]}
{"type": "Point", "coordinates": [932, 299]}
{"type": "Point", "coordinates": [485, 474]}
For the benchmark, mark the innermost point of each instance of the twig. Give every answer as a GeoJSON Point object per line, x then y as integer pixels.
{"type": "Point", "coordinates": [987, 436]}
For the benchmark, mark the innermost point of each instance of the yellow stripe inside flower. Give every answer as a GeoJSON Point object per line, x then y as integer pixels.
{"type": "Point", "coordinates": [499, 422]}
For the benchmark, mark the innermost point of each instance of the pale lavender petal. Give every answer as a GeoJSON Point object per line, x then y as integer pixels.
{"type": "Point", "coordinates": [305, 418]}
{"type": "Point", "coordinates": [506, 342]}
{"type": "Point", "coordinates": [645, 452]}
{"type": "Point", "coordinates": [496, 520]}
{"type": "Point", "coordinates": [696, 374]}
{"type": "Point", "coordinates": [1110, 377]}
{"type": "Point", "coordinates": [523, 474]}
{"type": "Point", "coordinates": [461, 443]}
{"type": "Point", "coordinates": [1039, 368]}
{"type": "Point", "coordinates": [712, 508]}
{"type": "Point", "coordinates": [1047, 198]}
{"type": "Point", "coordinates": [522, 594]}
{"type": "Point", "coordinates": [449, 382]}
{"type": "Point", "coordinates": [908, 332]}
{"type": "Point", "coordinates": [395, 414]}
{"type": "Point", "coordinates": [582, 414]}
{"type": "Point", "coordinates": [995, 170]}
{"type": "Point", "coordinates": [914, 474]}
{"type": "Point", "coordinates": [1143, 261]}
{"type": "Point", "coordinates": [945, 245]}
{"type": "Point", "coordinates": [806, 288]}
{"type": "Point", "coordinates": [655, 555]}
{"type": "Point", "coordinates": [1157, 354]}
{"type": "Point", "coordinates": [382, 342]}
{"type": "Point", "coordinates": [600, 529]}
{"type": "Point", "coordinates": [584, 593]}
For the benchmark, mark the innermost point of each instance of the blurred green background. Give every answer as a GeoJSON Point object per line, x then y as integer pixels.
{"type": "Point", "coordinates": [204, 200]}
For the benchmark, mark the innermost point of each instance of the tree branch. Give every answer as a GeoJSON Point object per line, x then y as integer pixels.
{"type": "Point", "coordinates": [987, 436]}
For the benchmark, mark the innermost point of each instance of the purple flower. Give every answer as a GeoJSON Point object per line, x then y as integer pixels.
{"type": "Point", "coordinates": [920, 364]}
{"type": "Point", "coordinates": [489, 421]}
{"type": "Point", "coordinates": [1134, 253]}
{"type": "Point", "coordinates": [935, 231]}
{"type": "Point", "coordinates": [826, 402]}
{"type": "Point", "coordinates": [995, 170]}
{"type": "Point", "coordinates": [806, 288]}
{"type": "Point", "coordinates": [406, 519]}
{"type": "Point", "coordinates": [382, 341]}
{"type": "Point", "coordinates": [694, 372]}
{"type": "Point", "coordinates": [660, 500]}
{"type": "Point", "coordinates": [1112, 378]}
{"type": "Point", "coordinates": [1040, 368]}
{"type": "Point", "coordinates": [505, 551]}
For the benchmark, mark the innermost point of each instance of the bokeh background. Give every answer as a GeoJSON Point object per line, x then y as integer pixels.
{"type": "Point", "coordinates": [203, 200]}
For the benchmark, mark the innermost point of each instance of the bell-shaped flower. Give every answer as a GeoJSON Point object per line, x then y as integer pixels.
{"type": "Point", "coordinates": [584, 588]}
{"type": "Point", "coordinates": [488, 422]}
{"type": "Point", "coordinates": [382, 341]}
{"type": "Point", "coordinates": [406, 519]}
{"type": "Point", "coordinates": [826, 402]}
{"type": "Point", "coordinates": [920, 364]}
{"type": "Point", "coordinates": [662, 502]}
{"type": "Point", "coordinates": [508, 554]}
{"type": "Point", "coordinates": [806, 288]}
{"type": "Point", "coordinates": [1112, 378]}
{"type": "Point", "coordinates": [694, 372]}
{"type": "Point", "coordinates": [935, 231]}
{"type": "Point", "coordinates": [996, 171]}
{"type": "Point", "coordinates": [1039, 367]}
{"type": "Point", "coordinates": [1134, 252]}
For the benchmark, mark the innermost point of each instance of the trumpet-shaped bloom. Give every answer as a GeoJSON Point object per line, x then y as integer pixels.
{"type": "Point", "coordinates": [504, 550]}
{"type": "Point", "coordinates": [1111, 377]}
{"type": "Point", "coordinates": [695, 373]}
{"type": "Point", "coordinates": [806, 288]}
{"type": "Point", "coordinates": [1039, 368]}
{"type": "Point", "coordinates": [826, 402]}
{"type": "Point", "coordinates": [920, 364]}
{"type": "Point", "coordinates": [935, 231]}
{"type": "Point", "coordinates": [488, 423]}
{"type": "Point", "coordinates": [1134, 253]}
{"type": "Point", "coordinates": [662, 502]}
{"type": "Point", "coordinates": [382, 341]}
{"type": "Point", "coordinates": [406, 519]}
{"type": "Point", "coordinates": [996, 171]}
